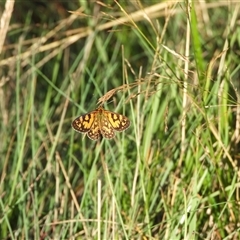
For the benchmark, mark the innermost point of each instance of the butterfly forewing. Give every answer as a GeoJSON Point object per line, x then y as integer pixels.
{"type": "Point", "coordinates": [85, 122]}
{"type": "Point", "coordinates": [117, 121]}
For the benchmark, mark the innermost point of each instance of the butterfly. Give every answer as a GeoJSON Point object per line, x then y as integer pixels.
{"type": "Point", "coordinates": [100, 123]}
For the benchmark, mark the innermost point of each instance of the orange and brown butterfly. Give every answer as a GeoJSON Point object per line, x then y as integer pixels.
{"type": "Point", "coordinates": [100, 123]}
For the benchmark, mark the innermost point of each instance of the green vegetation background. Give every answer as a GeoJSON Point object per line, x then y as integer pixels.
{"type": "Point", "coordinates": [172, 68]}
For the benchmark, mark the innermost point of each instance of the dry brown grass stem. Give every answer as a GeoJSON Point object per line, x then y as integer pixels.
{"type": "Point", "coordinates": [40, 44]}
{"type": "Point", "coordinates": [4, 22]}
{"type": "Point", "coordinates": [124, 87]}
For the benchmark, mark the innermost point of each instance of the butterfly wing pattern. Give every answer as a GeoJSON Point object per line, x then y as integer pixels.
{"type": "Point", "coordinates": [100, 122]}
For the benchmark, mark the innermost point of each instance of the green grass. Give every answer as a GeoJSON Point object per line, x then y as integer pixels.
{"type": "Point", "coordinates": [174, 174]}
